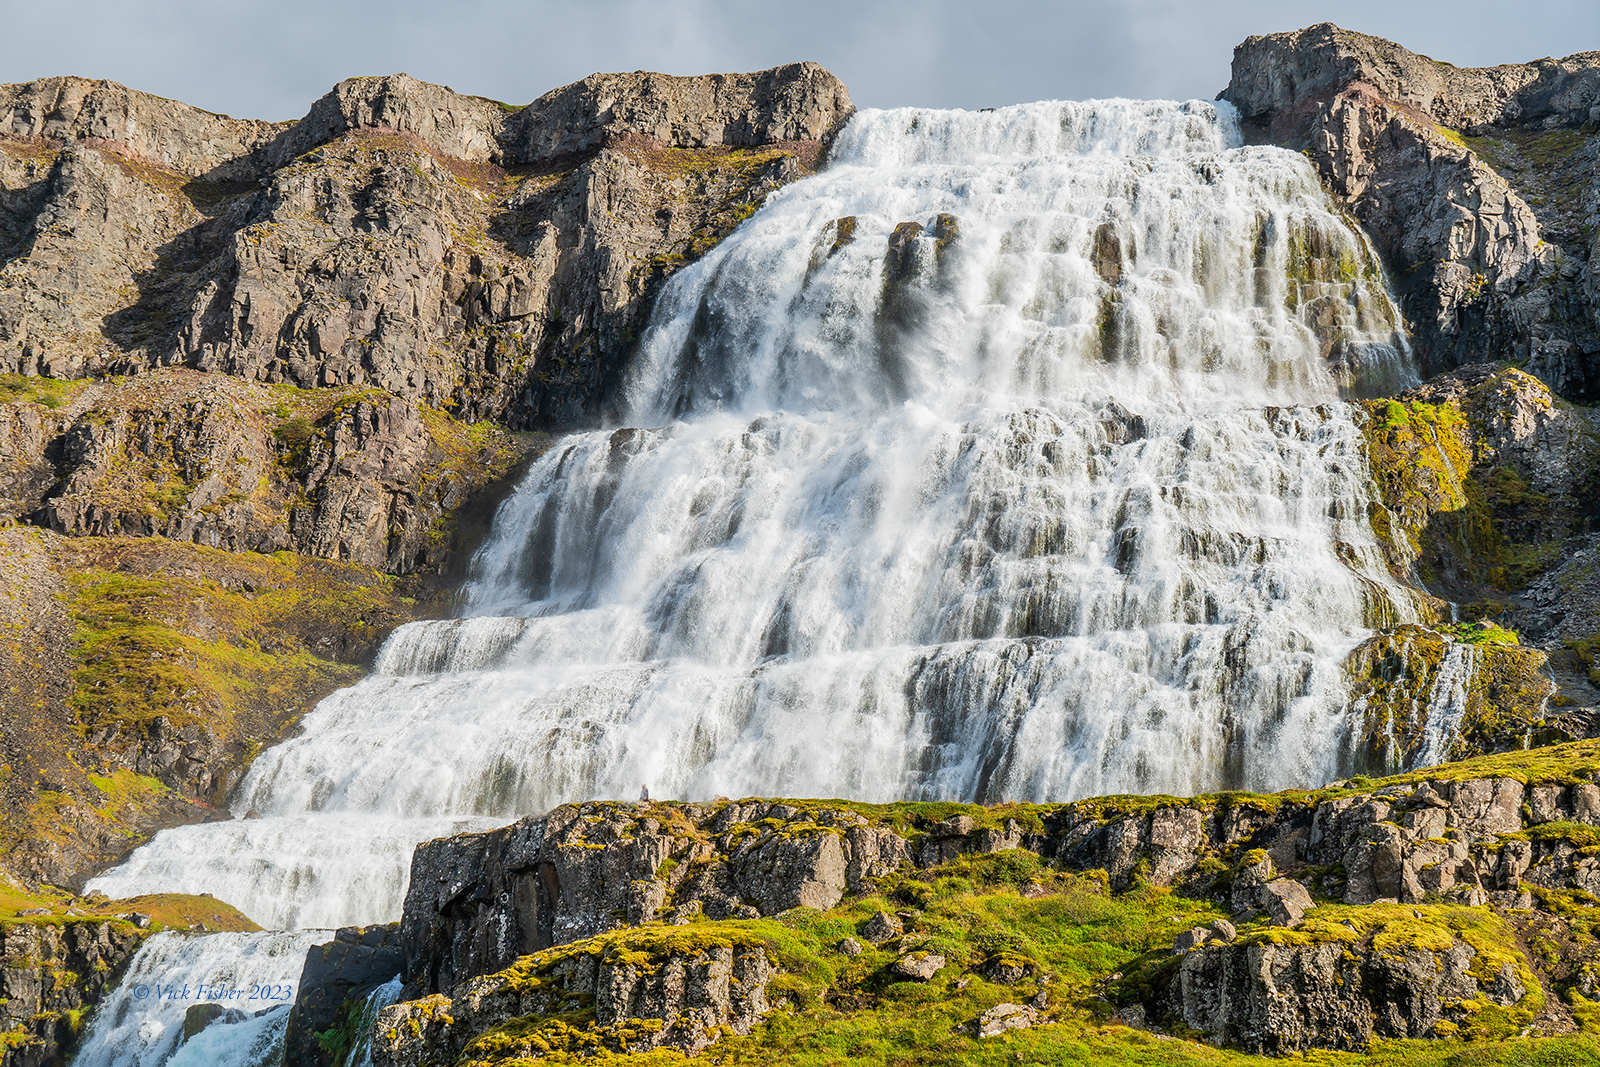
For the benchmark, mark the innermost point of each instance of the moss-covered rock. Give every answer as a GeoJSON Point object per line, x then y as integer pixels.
{"type": "Point", "coordinates": [1481, 474]}
{"type": "Point", "coordinates": [1427, 695]}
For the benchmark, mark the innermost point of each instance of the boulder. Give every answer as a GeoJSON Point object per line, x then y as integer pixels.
{"type": "Point", "coordinates": [1285, 901]}
{"type": "Point", "coordinates": [1002, 1017]}
{"type": "Point", "coordinates": [919, 966]}
{"type": "Point", "coordinates": [881, 927]}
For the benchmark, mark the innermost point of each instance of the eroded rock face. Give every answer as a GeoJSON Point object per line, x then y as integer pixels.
{"type": "Point", "coordinates": [1481, 272]}
{"type": "Point", "coordinates": [677, 999]}
{"type": "Point", "coordinates": [1275, 999]}
{"type": "Point", "coordinates": [477, 902]}
{"type": "Point", "coordinates": [53, 969]}
{"type": "Point", "coordinates": [451, 251]}
{"type": "Point", "coordinates": [354, 475]}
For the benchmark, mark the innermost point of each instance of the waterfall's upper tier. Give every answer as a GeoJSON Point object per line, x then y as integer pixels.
{"type": "Point", "coordinates": [910, 136]}
{"type": "Point", "coordinates": [1043, 252]}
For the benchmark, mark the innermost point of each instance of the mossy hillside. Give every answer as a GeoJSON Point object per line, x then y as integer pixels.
{"type": "Point", "coordinates": [1451, 516]}
{"type": "Point", "coordinates": [1397, 677]}
{"type": "Point", "coordinates": [1070, 932]}
{"type": "Point", "coordinates": [185, 646]}
{"type": "Point", "coordinates": [833, 1011]}
{"type": "Point", "coordinates": [176, 911]}
{"type": "Point", "coordinates": [1588, 650]}
{"type": "Point", "coordinates": [46, 392]}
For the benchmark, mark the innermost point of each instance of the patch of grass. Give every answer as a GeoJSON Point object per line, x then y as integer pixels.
{"type": "Point", "coordinates": [46, 392]}
{"type": "Point", "coordinates": [171, 643]}
{"type": "Point", "coordinates": [1481, 633]}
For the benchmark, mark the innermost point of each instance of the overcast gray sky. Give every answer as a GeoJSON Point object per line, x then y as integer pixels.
{"type": "Point", "coordinates": [271, 60]}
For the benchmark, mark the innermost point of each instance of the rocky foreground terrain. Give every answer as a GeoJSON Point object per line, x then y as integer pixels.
{"type": "Point", "coordinates": [262, 384]}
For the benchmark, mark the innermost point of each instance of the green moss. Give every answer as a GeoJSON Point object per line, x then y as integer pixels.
{"type": "Point", "coordinates": [1588, 650]}
{"type": "Point", "coordinates": [138, 660]}
{"type": "Point", "coordinates": [46, 392]}
{"type": "Point", "coordinates": [1481, 633]}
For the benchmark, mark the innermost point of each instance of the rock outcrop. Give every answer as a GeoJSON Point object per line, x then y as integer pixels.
{"type": "Point", "coordinates": [477, 902]}
{"type": "Point", "coordinates": [1367, 909]}
{"type": "Point", "coordinates": [649, 989]}
{"type": "Point", "coordinates": [334, 984]}
{"type": "Point", "coordinates": [451, 251]}
{"type": "Point", "coordinates": [1486, 266]}
{"type": "Point", "coordinates": [354, 475]}
{"type": "Point", "coordinates": [1388, 972]}
{"type": "Point", "coordinates": [53, 973]}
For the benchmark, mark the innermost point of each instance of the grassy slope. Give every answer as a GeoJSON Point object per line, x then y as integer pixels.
{"type": "Point", "coordinates": [1078, 938]}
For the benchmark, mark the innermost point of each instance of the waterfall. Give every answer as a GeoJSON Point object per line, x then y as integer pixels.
{"type": "Point", "coordinates": [1447, 703]}
{"type": "Point", "coordinates": [140, 1023]}
{"type": "Point", "coordinates": [1004, 458]}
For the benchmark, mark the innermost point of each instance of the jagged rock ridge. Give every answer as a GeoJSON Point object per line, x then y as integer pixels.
{"type": "Point", "coordinates": [1492, 258]}
{"type": "Point", "coordinates": [494, 261]}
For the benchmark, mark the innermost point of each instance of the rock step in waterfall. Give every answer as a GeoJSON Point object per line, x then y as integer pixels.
{"type": "Point", "coordinates": [1004, 458]}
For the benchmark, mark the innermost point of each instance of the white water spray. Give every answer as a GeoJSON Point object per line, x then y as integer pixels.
{"type": "Point", "coordinates": [1050, 493]}
{"type": "Point", "coordinates": [140, 1023]}
{"type": "Point", "coordinates": [1447, 703]}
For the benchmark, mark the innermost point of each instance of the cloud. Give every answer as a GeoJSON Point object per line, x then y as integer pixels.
{"type": "Point", "coordinates": [272, 60]}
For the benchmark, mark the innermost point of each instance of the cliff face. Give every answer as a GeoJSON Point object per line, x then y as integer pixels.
{"type": "Point", "coordinates": [1476, 185]}
{"type": "Point", "coordinates": [489, 260]}
{"type": "Point", "coordinates": [318, 337]}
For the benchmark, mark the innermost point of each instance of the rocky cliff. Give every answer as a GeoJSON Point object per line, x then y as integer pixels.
{"type": "Point", "coordinates": [59, 956]}
{"type": "Point", "coordinates": [491, 260]}
{"type": "Point", "coordinates": [1447, 902]}
{"type": "Point", "coordinates": [1476, 185]}
{"type": "Point", "coordinates": [327, 338]}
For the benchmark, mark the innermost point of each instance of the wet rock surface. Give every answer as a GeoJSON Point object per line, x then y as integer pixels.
{"type": "Point", "coordinates": [334, 983]}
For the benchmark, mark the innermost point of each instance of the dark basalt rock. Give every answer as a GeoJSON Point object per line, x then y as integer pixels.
{"type": "Point", "coordinates": [334, 983]}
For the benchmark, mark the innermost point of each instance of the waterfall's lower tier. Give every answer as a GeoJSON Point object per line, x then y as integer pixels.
{"type": "Point", "coordinates": [140, 1024]}
{"type": "Point", "coordinates": [289, 872]}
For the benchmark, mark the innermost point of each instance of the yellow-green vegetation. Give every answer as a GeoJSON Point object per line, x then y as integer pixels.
{"type": "Point", "coordinates": [1588, 650]}
{"type": "Point", "coordinates": [1450, 135]}
{"type": "Point", "coordinates": [1070, 931]}
{"type": "Point", "coordinates": [1445, 511]}
{"type": "Point", "coordinates": [836, 1011]}
{"type": "Point", "coordinates": [1566, 764]}
{"type": "Point", "coordinates": [166, 910]}
{"type": "Point", "coordinates": [1481, 633]}
{"type": "Point", "coordinates": [194, 651]}
{"type": "Point", "coordinates": [47, 392]}
{"type": "Point", "coordinates": [126, 797]}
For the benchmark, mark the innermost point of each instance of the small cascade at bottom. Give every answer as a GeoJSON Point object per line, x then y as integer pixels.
{"type": "Point", "coordinates": [1447, 703]}
{"type": "Point", "coordinates": [141, 1023]}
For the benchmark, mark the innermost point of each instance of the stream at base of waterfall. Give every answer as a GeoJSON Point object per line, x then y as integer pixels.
{"type": "Point", "coordinates": [1004, 458]}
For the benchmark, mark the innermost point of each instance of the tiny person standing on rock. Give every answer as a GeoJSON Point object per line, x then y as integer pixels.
{"type": "Point", "coordinates": [644, 793]}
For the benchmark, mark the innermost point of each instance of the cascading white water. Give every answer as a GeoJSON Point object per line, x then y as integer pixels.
{"type": "Point", "coordinates": [140, 1024]}
{"type": "Point", "coordinates": [1447, 703]}
{"type": "Point", "coordinates": [1048, 494]}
